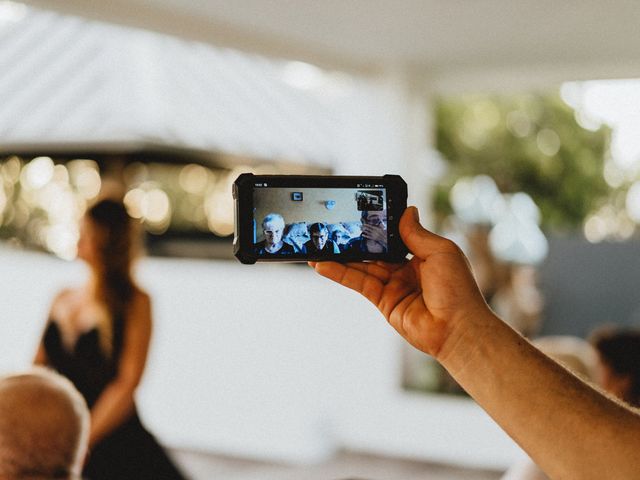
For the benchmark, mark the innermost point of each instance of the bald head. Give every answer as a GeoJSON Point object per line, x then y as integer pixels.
{"type": "Point", "coordinates": [44, 425]}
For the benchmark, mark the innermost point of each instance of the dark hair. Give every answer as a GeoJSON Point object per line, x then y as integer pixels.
{"type": "Point", "coordinates": [115, 255]}
{"type": "Point", "coordinates": [318, 227]}
{"type": "Point", "coordinates": [364, 214]}
{"type": "Point", "coordinates": [619, 349]}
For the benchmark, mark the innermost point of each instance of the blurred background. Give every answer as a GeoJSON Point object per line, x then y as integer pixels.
{"type": "Point", "coordinates": [515, 125]}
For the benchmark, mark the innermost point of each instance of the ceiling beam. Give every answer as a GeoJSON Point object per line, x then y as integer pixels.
{"type": "Point", "coordinates": [202, 29]}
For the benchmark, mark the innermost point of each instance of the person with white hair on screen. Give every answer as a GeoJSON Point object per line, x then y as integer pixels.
{"type": "Point", "coordinates": [273, 228]}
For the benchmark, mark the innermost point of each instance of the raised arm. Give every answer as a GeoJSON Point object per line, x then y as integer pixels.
{"type": "Point", "coordinates": [116, 403]}
{"type": "Point", "coordinates": [570, 429]}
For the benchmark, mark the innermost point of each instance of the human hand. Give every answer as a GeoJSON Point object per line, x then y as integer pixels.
{"type": "Point", "coordinates": [375, 233]}
{"type": "Point", "coordinates": [428, 299]}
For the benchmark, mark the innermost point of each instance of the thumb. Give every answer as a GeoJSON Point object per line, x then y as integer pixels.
{"type": "Point", "coordinates": [420, 241]}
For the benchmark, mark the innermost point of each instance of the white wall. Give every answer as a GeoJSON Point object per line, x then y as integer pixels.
{"type": "Point", "coordinates": [266, 361]}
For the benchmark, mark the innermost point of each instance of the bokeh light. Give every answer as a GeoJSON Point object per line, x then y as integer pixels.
{"type": "Point", "coordinates": [595, 229]}
{"type": "Point", "coordinates": [10, 169]}
{"type": "Point", "coordinates": [85, 177]}
{"type": "Point", "coordinates": [62, 240]}
{"type": "Point", "coordinates": [194, 178]}
{"type": "Point", "coordinates": [613, 174]}
{"type": "Point", "coordinates": [155, 206]}
{"type": "Point", "coordinates": [477, 200]}
{"type": "Point", "coordinates": [633, 202]}
{"type": "Point", "coordinates": [133, 202]}
{"type": "Point", "coordinates": [44, 209]}
{"type": "Point", "coordinates": [548, 142]}
{"type": "Point", "coordinates": [3, 199]}
{"type": "Point", "coordinates": [37, 173]}
{"type": "Point", "coordinates": [151, 204]}
{"type": "Point", "coordinates": [519, 123]}
{"type": "Point", "coordinates": [516, 237]}
{"type": "Point", "coordinates": [609, 223]}
{"type": "Point", "coordinates": [219, 203]}
{"type": "Point", "coordinates": [43, 199]}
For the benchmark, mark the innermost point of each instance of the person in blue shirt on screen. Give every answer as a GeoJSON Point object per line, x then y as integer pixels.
{"type": "Point", "coordinates": [320, 243]}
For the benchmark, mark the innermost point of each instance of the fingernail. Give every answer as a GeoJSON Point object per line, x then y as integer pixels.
{"type": "Point", "coordinates": [416, 214]}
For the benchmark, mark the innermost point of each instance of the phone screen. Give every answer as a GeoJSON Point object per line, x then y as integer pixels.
{"type": "Point", "coordinates": [319, 221]}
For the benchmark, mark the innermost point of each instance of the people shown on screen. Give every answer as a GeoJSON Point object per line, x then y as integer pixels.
{"type": "Point", "coordinates": [273, 229]}
{"type": "Point", "coordinates": [338, 234]}
{"type": "Point", "coordinates": [373, 238]}
{"type": "Point", "coordinates": [296, 235]}
{"type": "Point", "coordinates": [320, 243]}
{"type": "Point", "coordinates": [354, 229]}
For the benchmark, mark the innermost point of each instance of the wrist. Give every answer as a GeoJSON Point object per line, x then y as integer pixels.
{"type": "Point", "coordinates": [466, 337]}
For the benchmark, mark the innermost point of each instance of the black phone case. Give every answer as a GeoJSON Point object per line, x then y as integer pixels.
{"type": "Point", "coordinates": [244, 185]}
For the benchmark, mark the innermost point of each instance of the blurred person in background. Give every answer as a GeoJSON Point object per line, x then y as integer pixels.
{"type": "Point", "coordinates": [570, 429]}
{"type": "Point", "coordinates": [619, 363]}
{"type": "Point", "coordinates": [44, 427]}
{"type": "Point", "coordinates": [98, 336]}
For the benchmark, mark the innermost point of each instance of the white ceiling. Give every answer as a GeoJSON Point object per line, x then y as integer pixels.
{"type": "Point", "coordinates": [94, 86]}
{"type": "Point", "coordinates": [438, 38]}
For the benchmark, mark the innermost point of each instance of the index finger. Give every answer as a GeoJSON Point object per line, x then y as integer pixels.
{"type": "Point", "coordinates": [359, 279]}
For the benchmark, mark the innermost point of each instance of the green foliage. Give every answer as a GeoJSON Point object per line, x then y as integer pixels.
{"type": "Point", "coordinates": [530, 143]}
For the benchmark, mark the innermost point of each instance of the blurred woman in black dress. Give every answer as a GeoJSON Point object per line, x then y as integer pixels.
{"type": "Point", "coordinates": [98, 336]}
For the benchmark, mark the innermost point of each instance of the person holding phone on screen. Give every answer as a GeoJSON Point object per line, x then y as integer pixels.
{"type": "Point", "coordinates": [373, 238]}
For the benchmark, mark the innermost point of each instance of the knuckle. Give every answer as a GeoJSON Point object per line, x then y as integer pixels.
{"type": "Point", "coordinates": [450, 246]}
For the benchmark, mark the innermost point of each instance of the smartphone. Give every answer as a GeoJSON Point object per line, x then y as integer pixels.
{"type": "Point", "coordinates": [289, 218]}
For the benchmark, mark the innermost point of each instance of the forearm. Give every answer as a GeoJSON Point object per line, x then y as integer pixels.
{"type": "Point", "coordinates": [114, 406]}
{"type": "Point", "coordinates": [567, 427]}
